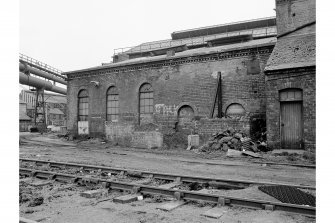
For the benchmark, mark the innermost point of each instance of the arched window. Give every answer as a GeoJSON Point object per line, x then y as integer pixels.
{"type": "Point", "coordinates": [235, 109]}
{"type": "Point", "coordinates": [112, 104]}
{"type": "Point", "coordinates": [185, 115]}
{"type": "Point", "coordinates": [83, 105]}
{"type": "Point", "coordinates": [146, 99]}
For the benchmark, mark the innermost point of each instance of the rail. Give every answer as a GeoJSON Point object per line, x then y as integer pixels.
{"type": "Point", "coordinates": [163, 176]}
{"type": "Point", "coordinates": [179, 194]}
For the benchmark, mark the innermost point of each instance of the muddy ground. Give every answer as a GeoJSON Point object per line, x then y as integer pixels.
{"type": "Point", "coordinates": [63, 203]}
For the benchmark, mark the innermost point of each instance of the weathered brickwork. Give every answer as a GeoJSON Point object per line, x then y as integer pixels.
{"type": "Point", "coordinates": [174, 86]}
{"type": "Point", "coordinates": [292, 14]}
{"type": "Point", "coordinates": [207, 127]}
{"type": "Point", "coordinates": [301, 78]}
{"type": "Point", "coordinates": [127, 135]}
{"type": "Point", "coordinates": [292, 66]}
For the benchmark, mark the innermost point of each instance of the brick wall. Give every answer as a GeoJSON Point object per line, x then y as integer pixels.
{"type": "Point", "coordinates": [304, 79]}
{"type": "Point", "coordinates": [125, 134]}
{"type": "Point", "coordinates": [294, 13]}
{"type": "Point", "coordinates": [207, 127]}
{"type": "Point", "coordinates": [191, 83]}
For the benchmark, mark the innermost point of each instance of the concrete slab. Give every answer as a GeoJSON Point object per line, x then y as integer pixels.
{"type": "Point", "coordinates": [171, 205]}
{"type": "Point", "coordinates": [93, 193]}
{"type": "Point", "coordinates": [216, 212]}
{"type": "Point", "coordinates": [233, 153]}
{"type": "Point", "coordinates": [127, 198]}
{"type": "Point", "coordinates": [169, 185]}
{"type": "Point", "coordinates": [252, 154]}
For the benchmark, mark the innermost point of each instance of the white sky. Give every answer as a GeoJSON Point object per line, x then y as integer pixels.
{"type": "Point", "coordinates": [77, 34]}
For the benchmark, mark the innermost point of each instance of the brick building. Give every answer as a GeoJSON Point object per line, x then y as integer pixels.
{"type": "Point", "coordinates": [172, 83]}
{"type": "Point", "coordinates": [161, 87]}
{"type": "Point", "coordinates": [290, 78]}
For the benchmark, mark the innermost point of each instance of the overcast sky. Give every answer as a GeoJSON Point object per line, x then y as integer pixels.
{"type": "Point", "coordinates": [77, 34]}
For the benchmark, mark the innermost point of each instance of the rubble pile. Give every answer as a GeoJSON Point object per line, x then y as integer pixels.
{"type": "Point", "coordinates": [232, 139]}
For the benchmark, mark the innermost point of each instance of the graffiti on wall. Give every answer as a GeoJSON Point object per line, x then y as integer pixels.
{"type": "Point", "coordinates": [166, 110]}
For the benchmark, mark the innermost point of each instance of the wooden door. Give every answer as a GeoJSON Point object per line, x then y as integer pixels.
{"type": "Point", "coordinates": [291, 124]}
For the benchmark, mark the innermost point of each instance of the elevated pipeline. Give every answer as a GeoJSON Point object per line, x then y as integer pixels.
{"type": "Point", "coordinates": [24, 67]}
{"type": "Point", "coordinates": [39, 83]}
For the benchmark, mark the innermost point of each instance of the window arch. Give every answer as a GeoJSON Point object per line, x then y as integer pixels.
{"type": "Point", "coordinates": [112, 104]}
{"type": "Point", "coordinates": [235, 109]}
{"type": "Point", "coordinates": [185, 115]}
{"type": "Point", "coordinates": [83, 105]}
{"type": "Point", "coordinates": [146, 99]}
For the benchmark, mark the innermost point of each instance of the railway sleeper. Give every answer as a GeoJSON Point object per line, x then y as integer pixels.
{"type": "Point", "coordinates": [226, 186]}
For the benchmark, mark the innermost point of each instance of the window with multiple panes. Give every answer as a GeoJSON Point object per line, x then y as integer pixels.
{"type": "Point", "coordinates": [83, 105]}
{"type": "Point", "coordinates": [112, 104]}
{"type": "Point", "coordinates": [290, 94]}
{"type": "Point", "coordinates": [146, 99]}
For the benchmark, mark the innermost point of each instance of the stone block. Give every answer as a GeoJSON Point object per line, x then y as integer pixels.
{"type": "Point", "coordinates": [93, 193]}
{"type": "Point", "coordinates": [171, 205]}
{"type": "Point", "coordinates": [216, 212]}
{"type": "Point", "coordinates": [233, 153]}
{"type": "Point", "coordinates": [193, 140]}
{"type": "Point", "coordinates": [127, 198]}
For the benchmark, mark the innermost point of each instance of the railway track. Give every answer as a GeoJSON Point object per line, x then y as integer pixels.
{"type": "Point", "coordinates": [187, 195]}
{"type": "Point", "coordinates": [229, 183]}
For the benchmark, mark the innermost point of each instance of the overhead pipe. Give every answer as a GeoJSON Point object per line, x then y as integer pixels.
{"type": "Point", "coordinates": [39, 83]}
{"type": "Point", "coordinates": [24, 67]}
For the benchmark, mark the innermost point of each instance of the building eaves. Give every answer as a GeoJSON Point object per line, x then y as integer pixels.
{"type": "Point", "coordinates": [192, 52]}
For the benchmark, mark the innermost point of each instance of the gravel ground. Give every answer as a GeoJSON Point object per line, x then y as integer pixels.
{"type": "Point", "coordinates": [66, 205]}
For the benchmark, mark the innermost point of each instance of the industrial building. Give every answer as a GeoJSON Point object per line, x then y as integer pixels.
{"type": "Point", "coordinates": [55, 106]}
{"type": "Point", "coordinates": [250, 75]}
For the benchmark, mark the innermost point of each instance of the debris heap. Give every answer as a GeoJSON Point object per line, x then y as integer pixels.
{"type": "Point", "coordinates": [232, 139]}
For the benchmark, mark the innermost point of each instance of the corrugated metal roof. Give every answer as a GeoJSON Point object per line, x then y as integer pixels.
{"type": "Point", "coordinates": [50, 98]}
{"type": "Point", "coordinates": [55, 99]}
{"type": "Point", "coordinates": [23, 116]}
{"type": "Point", "coordinates": [55, 111]}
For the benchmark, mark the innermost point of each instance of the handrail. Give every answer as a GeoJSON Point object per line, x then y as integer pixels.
{"type": "Point", "coordinates": [39, 64]}
{"type": "Point", "coordinates": [266, 31]}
